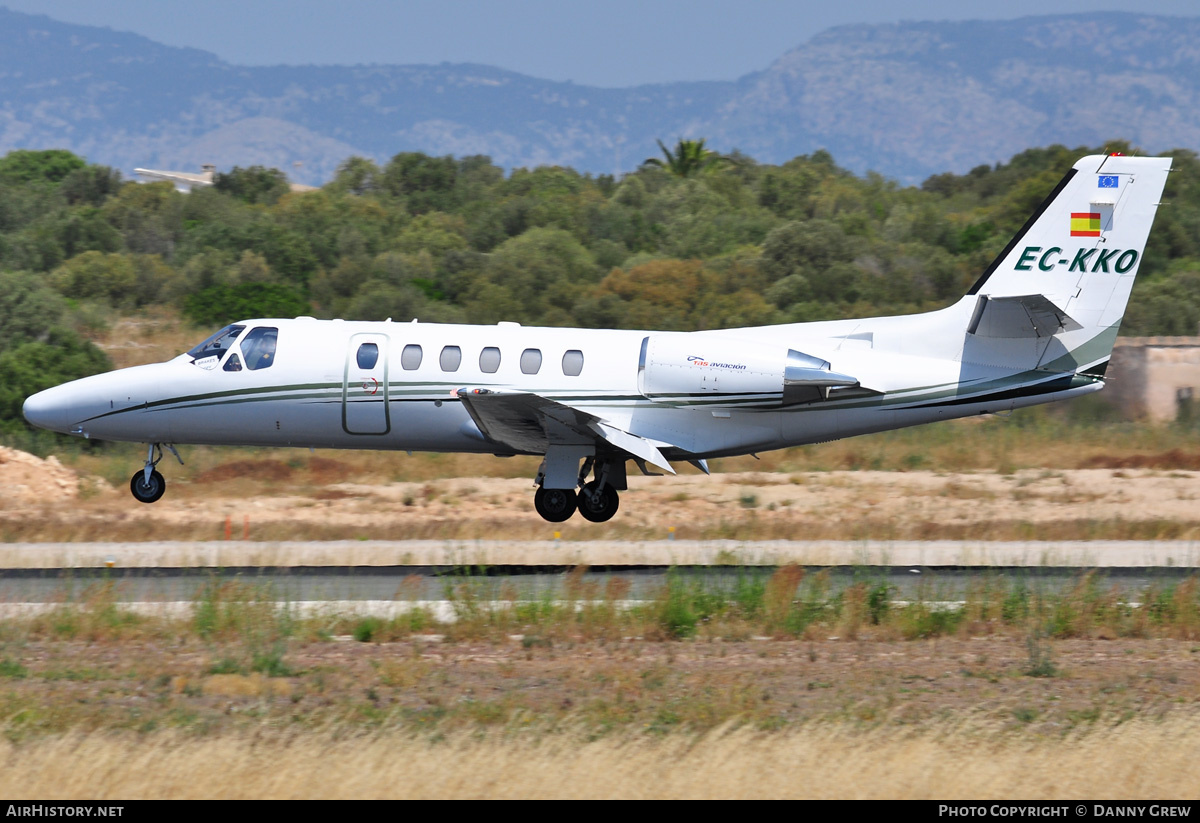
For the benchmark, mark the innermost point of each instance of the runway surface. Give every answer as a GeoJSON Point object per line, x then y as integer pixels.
{"type": "Point", "coordinates": [429, 584]}
{"type": "Point", "coordinates": [443, 554]}
{"type": "Point", "coordinates": [380, 576]}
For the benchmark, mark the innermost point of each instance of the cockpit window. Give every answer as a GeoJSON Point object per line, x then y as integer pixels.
{"type": "Point", "coordinates": [218, 344]}
{"type": "Point", "coordinates": [258, 347]}
{"type": "Point", "coordinates": [233, 363]}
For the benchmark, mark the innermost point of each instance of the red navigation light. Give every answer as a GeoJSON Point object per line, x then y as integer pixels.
{"type": "Point", "coordinates": [1117, 154]}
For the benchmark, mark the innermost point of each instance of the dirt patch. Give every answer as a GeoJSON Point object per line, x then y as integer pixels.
{"type": "Point", "coordinates": [264, 470]}
{"type": "Point", "coordinates": [282, 502]}
{"type": "Point", "coordinates": [325, 470]}
{"type": "Point", "coordinates": [1173, 459]}
{"type": "Point", "coordinates": [332, 494]}
{"type": "Point", "coordinates": [632, 684]}
{"type": "Point", "coordinates": [30, 479]}
{"type": "Point", "coordinates": [318, 471]}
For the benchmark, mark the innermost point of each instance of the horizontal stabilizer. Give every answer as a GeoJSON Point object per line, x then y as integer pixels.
{"type": "Point", "coordinates": [1026, 315]}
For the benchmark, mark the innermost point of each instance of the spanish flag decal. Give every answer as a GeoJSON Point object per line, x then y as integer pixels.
{"type": "Point", "coordinates": [1085, 224]}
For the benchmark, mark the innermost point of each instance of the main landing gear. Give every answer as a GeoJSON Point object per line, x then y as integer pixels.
{"type": "Point", "coordinates": [596, 501]}
{"type": "Point", "coordinates": [555, 505]}
{"type": "Point", "coordinates": [147, 484]}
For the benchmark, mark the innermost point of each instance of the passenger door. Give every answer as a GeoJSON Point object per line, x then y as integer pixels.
{"type": "Point", "coordinates": [365, 388]}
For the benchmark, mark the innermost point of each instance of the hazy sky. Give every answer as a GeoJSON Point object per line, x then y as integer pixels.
{"type": "Point", "coordinates": [601, 42]}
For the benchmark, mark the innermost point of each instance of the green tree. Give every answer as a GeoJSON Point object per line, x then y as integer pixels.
{"type": "Point", "coordinates": [1167, 306]}
{"type": "Point", "coordinates": [34, 365]}
{"type": "Point", "coordinates": [689, 158]}
{"type": "Point", "coordinates": [111, 278]}
{"type": "Point", "coordinates": [149, 216]}
{"type": "Point", "coordinates": [49, 166]}
{"type": "Point", "coordinates": [28, 309]}
{"type": "Point", "coordinates": [357, 175]}
{"type": "Point", "coordinates": [221, 304]}
{"type": "Point", "coordinates": [256, 184]}
{"type": "Point", "coordinates": [544, 267]}
{"type": "Point", "coordinates": [90, 184]}
{"type": "Point", "coordinates": [434, 232]}
{"type": "Point", "coordinates": [804, 248]}
{"type": "Point", "coordinates": [424, 183]}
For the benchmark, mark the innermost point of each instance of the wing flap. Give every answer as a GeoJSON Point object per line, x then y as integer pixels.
{"type": "Point", "coordinates": [526, 422]}
{"type": "Point", "coordinates": [637, 446]}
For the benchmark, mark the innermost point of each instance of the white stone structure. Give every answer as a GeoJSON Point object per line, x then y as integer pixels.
{"type": "Point", "coordinates": [1155, 378]}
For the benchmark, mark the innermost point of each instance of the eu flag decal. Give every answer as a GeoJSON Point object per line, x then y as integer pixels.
{"type": "Point", "coordinates": [1108, 181]}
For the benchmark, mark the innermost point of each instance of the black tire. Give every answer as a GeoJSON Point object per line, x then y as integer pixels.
{"type": "Point", "coordinates": [147, 492]}
{"type": "Point", "coordinates": [555, 505]}
{"type": "Point", "coordinates": [603, 508]}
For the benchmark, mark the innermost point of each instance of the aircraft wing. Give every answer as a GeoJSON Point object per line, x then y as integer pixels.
{"type": "Point", "coordinates": [527, 422]}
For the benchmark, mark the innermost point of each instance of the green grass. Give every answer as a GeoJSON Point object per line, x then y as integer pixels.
{"type": "Point", "coordinates": [247, 625]}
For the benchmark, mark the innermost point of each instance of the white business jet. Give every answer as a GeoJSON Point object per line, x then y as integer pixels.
{"type": "Point", "coordinates": [1038, 326]}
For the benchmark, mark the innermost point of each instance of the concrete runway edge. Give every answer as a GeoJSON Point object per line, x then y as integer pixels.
{"type": "Point", "coordinates": [341, 553]}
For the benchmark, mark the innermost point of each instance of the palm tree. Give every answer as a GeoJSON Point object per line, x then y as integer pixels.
{"type": "Point", "coordinates": [690, 157]}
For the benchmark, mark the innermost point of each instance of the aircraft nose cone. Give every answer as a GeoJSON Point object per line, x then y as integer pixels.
{"type": "Point", "coordinates": [47, 411]}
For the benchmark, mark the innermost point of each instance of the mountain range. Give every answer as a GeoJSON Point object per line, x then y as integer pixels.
{"type": "Point", "coordinates": [907, 100]}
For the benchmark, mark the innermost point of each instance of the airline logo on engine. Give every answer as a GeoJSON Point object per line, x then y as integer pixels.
{"type": "Point", "coordinates": [1081, 260]}
{"type": "Point", "coordinates": [700, 361]}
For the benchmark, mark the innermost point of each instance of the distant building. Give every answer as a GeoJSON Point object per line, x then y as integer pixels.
{"type": "Point", "coordinates": [185, 181]}
{"type": "Point", "coordinates": [182, 180]}
{"type": "Point", "coordinates": [1154, 378]}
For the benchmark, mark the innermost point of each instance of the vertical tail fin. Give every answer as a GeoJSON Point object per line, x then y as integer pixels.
{"type": "Point", "coordinates": [1067, 274]}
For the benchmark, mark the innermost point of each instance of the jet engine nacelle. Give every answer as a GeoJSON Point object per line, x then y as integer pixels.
{"type": "Point", "coordinates": [685, 368]}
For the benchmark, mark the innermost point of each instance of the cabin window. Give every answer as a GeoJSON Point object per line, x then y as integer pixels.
{"type": "Point", "coordinates": [368, 355]}
{"type": "Point", "coordinates": [451, 358]}
{"type": "Point", "coordinates": [218, 344]}
{"type": "Point", "coordinates": [531, 361]}
{"type": "Point", "coordinates": [410, 358]}
{"type": "Point", "coordinates": [233, 363]}
{"type": "Point", "coordinates": [489, 360]}
{"type": "Point", "coordinates": [258, 347]}
{"type": "Point", "coordinates": [573, 363]}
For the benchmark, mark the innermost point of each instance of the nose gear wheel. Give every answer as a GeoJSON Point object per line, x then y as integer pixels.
{"type": "Point", "coordinates": [147, 490]}
{"type": "Point", "coordinates": [147, 485]}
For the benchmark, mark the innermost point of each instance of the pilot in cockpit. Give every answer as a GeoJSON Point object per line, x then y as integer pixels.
{"type": "Point", "coordinates": [258, 347]}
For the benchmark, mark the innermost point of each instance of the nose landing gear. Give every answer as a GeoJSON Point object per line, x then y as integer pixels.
{"type": "Point", "coordinates": [148, 485]}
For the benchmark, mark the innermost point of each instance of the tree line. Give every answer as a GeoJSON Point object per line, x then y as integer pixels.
{"type": "Point", "coordinates": [692, 240]}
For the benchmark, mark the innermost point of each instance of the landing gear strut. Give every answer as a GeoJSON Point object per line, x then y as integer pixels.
{"type": "Point", "coordinates": [148, 485]}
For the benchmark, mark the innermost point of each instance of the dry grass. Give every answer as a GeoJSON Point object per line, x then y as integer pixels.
{"type": "Point", "coordinates": [774, 653]}
{"type": "Point", "coordinates": [1045, 441]}
{"type": "Point", "coordinates": [1137, 760]}
{"type": "Point", "coordinates": [1017, 695]}
{"type": "Point", "coordinates": [152, 338]}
